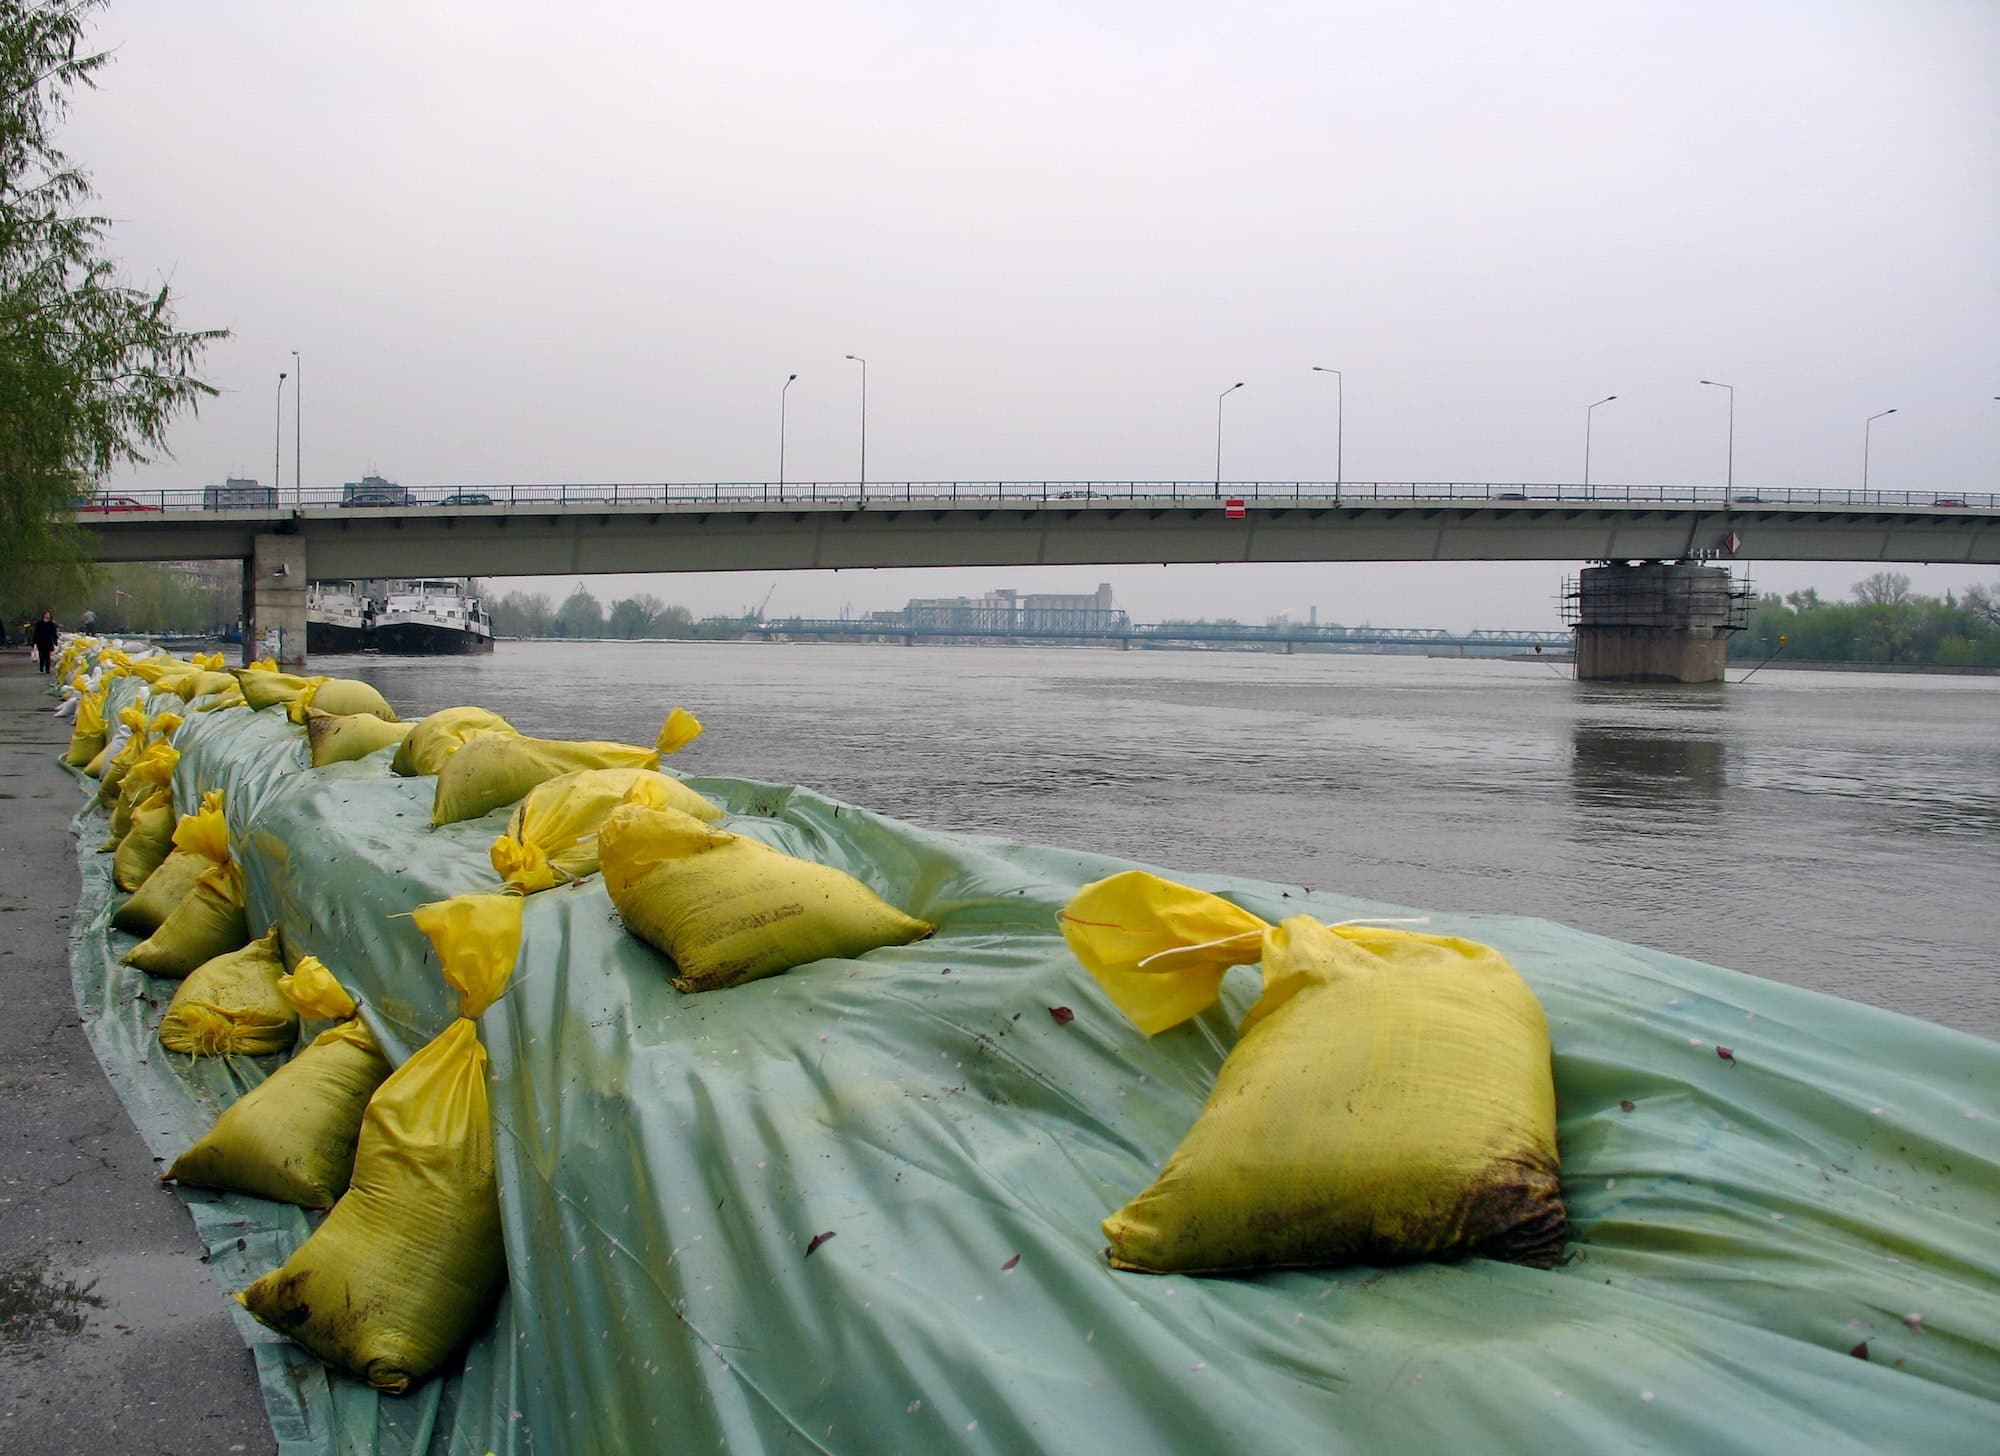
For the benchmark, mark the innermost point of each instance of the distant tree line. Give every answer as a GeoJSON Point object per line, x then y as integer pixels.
{"type": "Point", "coordinates": [136, 598]}
{"type": "Point", "coordinates": [533, 614]}
{"type": "Point", "coordinates": [1886, 623]}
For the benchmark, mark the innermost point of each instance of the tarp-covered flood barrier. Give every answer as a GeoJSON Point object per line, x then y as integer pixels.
{"type": "Point", "coordinates": [859, 1206]}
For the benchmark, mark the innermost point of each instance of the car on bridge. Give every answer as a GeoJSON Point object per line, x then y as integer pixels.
{"type": "Point", "coordinates": [239, 495]}
{"type": "Point", "coordinates": [1949, 500]}
{"type": "Point", "coordinates": [468, 498]}
{"type": "Point", "coordinates": [373, 490]}
{"type": "Point", "coordinates": [110, 503]}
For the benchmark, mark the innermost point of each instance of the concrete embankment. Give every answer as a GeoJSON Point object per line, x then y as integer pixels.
{"type": "Point", "coordinates": [113, 1338]}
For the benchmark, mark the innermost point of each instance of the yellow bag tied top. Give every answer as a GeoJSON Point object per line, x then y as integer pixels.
{"type": "Point", "coordinates": [208, 922]}
{"type": "Point", "coordinates": [230, 1006]}
{"type": "Point", "coordinates": [552, 836]}
{"type": "Point", "coordinates": [439, 736]}
{"type": "Point", "coordinates": [726, 909]}
{"type": "Point", "coordinates": [151, 771]}
{"type": "Point", "coordinates": [291, 1138]}
{"type": "Point", "coordinates": [315, 993]}
{"type": "Point", "coordinates": [344, 737]}
{"type": "Point", "coordinates": [209, 661]}
{"type": "Point", "coordinates": [343, 697]}
{"type": "Point", "coordinates": [411, 1257]}
{"type": "Point", "coordinates": [490, 771]}
{"type": "Point", "coordinates": [147, 844]}
{"type": "Point", "coordinates": [128, 745]}
{"type": "Point", "coordinates": [1389, 1097]}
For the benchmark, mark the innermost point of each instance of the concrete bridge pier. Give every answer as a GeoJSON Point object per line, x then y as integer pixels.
{"type": "Point", "coordinates": [274, 600]}
{"type": "Point", "coordinates": [1653, 621]}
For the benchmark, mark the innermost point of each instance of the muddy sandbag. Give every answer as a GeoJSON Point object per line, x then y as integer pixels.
{"type": "Point", "coordinates": [410, 1260]}
{"type": "Point", "coordinates": [442, 734]}
{"type": "Point", "coordinates": [726, 909]}
{"type": "Point", "coordinates": [490, 771]}
{"type": "Point", "coordinates": [551, 837]}
{"type": "Point", "coordinates": [230, 1006]}
{"type": "Point", "coordinates": [291, 1138]}
{"type": "Point", "coordinates": [1389, 1098]}
{"type": "Point", "coordinates": [147, 843]}
{"type": "Point", "coordinates": [208, 922]}
{"type": "Point", "coordinates": [344, 737]}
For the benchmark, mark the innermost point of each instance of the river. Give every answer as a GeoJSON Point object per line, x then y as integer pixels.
{"type": "Point", "coordinates": [1835, 830]}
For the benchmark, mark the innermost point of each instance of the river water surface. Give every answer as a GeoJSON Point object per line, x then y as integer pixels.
{"type": "Point", "coordinates": [1834, 830]}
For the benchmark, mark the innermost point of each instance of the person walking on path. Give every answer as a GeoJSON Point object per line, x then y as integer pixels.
{"type": "Point", "coordinates": [46, 633]}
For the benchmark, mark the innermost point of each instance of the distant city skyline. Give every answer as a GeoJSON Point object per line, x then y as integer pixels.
{"type": "Point", "coordinates": [490, 250]}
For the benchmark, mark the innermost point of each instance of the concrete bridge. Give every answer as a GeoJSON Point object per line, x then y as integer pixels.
{"type": "Point", "coordinates": [1285, 637]}
{"type": "Point", "coordinates": [527, 530]}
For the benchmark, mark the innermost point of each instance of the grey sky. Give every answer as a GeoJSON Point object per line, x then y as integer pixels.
{"type": "Point", "coordinates": [519, 243]}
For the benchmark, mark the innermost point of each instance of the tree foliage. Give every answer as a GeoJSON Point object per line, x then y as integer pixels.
{"type": "Point", "coordinates": [1886, 623]}
{"type": "Point", "coordinates": [92, 370]}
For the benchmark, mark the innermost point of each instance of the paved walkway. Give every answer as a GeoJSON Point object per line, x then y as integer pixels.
{"type": "Point", "coordinates": [113, 1338]}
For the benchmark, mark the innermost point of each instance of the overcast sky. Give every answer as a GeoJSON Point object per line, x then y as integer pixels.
{"type": "Point", "coordinates": [520, 242]}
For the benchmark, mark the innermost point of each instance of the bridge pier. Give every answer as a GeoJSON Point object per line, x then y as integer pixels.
{"type": "Point", "coordinates": [274, 600]}
{"type": "Point", "coordinates": [1653, 621]}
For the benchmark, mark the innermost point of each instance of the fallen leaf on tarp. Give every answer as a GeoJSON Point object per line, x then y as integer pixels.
{"type": "Point", "coordinates": [1725, 1053]}
{"type": "Point", "coordinates": [1008, 1267]}
{"type": "Point", "coordinates": [817, 1240]}
{"type": "Point", "coordinates": [1915, 1322]}
{"type": "Point", "coordinates": [1626, 1104]}
{"type": "Point", "coordinates": [1860, 1351]}
{"type": "Point", "coordinates": [1062, 1014]}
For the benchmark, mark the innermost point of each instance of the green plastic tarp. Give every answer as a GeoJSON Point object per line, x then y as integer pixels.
{"type": "Point", "coordinates": [855, 1207]}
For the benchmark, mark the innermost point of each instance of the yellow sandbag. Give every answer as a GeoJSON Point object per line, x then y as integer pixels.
{"type": "Point", "coordinates": [343, 697]}
{"type": "Point", "coordinates": [439, 736]}
{"type": "Point", "coordinates": [261, 687]}
{"type": "Point", "coordinates": [291, 1138]}
{"type": "Point", "coordinates": [152, 668]}
{"type": "Point", "coordinates": [88, 733]}
{"type": "Point", "coordinates": [152, 771]}
{"type": "Point", "coordinates": [123, 753]}
{"type": "Point", "coordinates": [161, 892]}
{"type": "Point", "coordinates": [1389, 1098]}
{"type": "Point", "coordinates": [230, 697]}
{"type": "Point", "coordinates": [1159, 950]}
{"type": "Point", "coordinates": [178, 681]}
{"type": "Point", "coordinates": [208, 922]}
{"type": "Point", "coordinates": [207, 682]}
{"type": "Point", "coordinates": [344, 737]}
{"type": "Point", "coordinates": [209, 661]}
{"type": "Point", "coordinates": [552, 836]}
{"type": "Point", "coordinates": [230, 1006]}
{"type": "Point", "coordinates": [493, 770]}
{"type": "Point", "coordinates": [408, 1262]}
{"type": "Point", "coordinates": [147, 844]}
{"type": "Point", "coordinates": [726, 909]}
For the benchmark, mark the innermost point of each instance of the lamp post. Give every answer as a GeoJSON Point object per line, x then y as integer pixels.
{"type": "Point", "coordinates": [1729, 489]}
{"type": "Point", "coordinates": [1866, 431]}
{"type": "Point", "coordinates": [278, 437]}
{"type": "Point", "coordinates": [298, 432]}
{"type": "Point", "coordinates": [1339, 426]}
{"type": "Point", "coordinates": [1218, 434]}
{"type": "Point", "coordinates": [864, 422]}
{"type": "Point", "coordinates": [1586, 437]}
{"type": "Point", "coordinates": [781, 432]}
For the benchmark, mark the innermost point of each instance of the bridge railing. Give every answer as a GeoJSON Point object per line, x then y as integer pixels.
{"type": "Point", "coordinates": [1078, 494]}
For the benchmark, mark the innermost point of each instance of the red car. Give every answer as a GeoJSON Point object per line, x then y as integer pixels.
{"type": "Point", "coordinates": [112, 503]}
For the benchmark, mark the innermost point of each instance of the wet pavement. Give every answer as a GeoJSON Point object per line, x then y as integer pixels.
{"type": "Point", "coordinates": [113, 1337]}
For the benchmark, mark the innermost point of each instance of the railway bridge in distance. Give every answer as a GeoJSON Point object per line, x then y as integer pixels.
{"type": "Point", "coordinates": [1659, 605]}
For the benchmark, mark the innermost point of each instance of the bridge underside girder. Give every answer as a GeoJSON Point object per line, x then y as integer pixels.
{"type": "Point", "coordinates": [587, 539]}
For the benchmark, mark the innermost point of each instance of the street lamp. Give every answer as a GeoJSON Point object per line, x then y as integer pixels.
{"type": "Point", "coordinates": [1729, 489]}
{"type": "Point", "coordinates": [1339, 427]}
{"type": "Point", "coordinates": [298, 431]}
{"type": "Point", "coordinates": [278, 437]}
{"type": "Point", "coordinates": [864, 422]}
{"type": "Point", "coordinates": [1866, 430]}
{"type": "Point", "coordinates": [1586, 437]}
{"type": "Point", "coordinates": [1218, 434]}
{"type": "Point", "coordinates": [781, 431]}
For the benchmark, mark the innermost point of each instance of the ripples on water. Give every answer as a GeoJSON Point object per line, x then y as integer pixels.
{"type": "Point", "coordinates": [1835, 830]}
